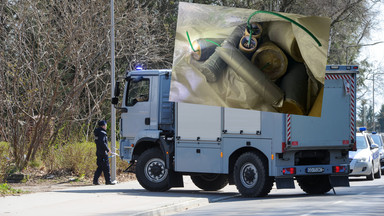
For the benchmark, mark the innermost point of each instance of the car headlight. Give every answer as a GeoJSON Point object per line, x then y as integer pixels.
{"type": "Point", "coordinates": [363, 159]}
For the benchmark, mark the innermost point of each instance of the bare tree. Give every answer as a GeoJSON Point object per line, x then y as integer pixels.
{"type": "Point", "coordinates": [54, 57]}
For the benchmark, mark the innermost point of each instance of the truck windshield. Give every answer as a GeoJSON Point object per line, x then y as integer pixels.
{"type": "Point", "coordinates": [377, 140]}
{"type": "Point", "coordinates": [138, 91]}
{"type": "Point", "coordinates": [361, 143]}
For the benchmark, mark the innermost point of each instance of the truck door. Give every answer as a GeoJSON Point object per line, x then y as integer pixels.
{"type": "Point", "coordinates": [138, 105]}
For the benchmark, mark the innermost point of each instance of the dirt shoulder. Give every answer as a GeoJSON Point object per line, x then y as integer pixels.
{"type": "Point", "coordinates": [50, 182]}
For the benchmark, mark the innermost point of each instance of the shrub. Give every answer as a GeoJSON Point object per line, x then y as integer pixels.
{"type": "Point", "coordinates": [6, 189]}
{"type": "Point", "coordinates": [4, 160]}
{"type": "Point", "coordinates": [78, 158]}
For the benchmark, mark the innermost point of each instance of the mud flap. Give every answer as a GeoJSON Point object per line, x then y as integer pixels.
{"type": "Point", "coordinates": [339, 181]}
{"type": "Point", "coordinates": [168, 151]}
{"type": "Point", "coordinates": [175, 179]}
{"type": "Point", "coordinates": [282, 183]}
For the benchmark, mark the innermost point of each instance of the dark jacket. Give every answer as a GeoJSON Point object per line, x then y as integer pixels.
{"type": "Point", "coordinates": [101, 141]}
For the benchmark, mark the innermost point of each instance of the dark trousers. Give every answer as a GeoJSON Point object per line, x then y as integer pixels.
{"type": "Point", "coordinates": [102, 166]}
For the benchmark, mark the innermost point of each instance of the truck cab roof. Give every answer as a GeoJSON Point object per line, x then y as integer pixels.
{"type": "Point", "coordinates": [147, 72]}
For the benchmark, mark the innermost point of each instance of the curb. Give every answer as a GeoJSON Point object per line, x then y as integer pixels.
{"type": "Point", "coordinates": [183, 206]}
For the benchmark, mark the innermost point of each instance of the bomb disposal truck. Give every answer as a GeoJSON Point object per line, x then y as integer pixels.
{"type": "Point", "coordinates": [217, 146]}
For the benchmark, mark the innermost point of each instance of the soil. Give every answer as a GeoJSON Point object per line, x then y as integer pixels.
{"type": "Point", "coordinates": [41, 182]}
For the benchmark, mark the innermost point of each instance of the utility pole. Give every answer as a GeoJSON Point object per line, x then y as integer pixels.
{"type": "Point", "coordinates": [113, 110]}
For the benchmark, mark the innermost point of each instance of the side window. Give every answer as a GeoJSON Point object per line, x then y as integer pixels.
{"type": "Point", "coordinates": [369, 140]}
{"type": "Point", "coordinates": [138, 91]}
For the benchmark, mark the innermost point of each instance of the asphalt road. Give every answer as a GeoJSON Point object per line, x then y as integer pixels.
{"type": "Point", "coordinates": [129, 198]}
{"type": "Point", "coordinates": [362, 198]}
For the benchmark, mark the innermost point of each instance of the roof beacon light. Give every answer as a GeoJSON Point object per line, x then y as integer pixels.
{"type": "Point", "coordinates": [362, 129]}
{"type": "Point", "coordinates": [139, 67]}
{"type": "Point", "coordinates": [374, 132]}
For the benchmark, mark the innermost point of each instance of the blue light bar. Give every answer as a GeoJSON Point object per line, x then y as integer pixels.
{"type": "Point", "coordinates": [374, 132]}
{"type": "Point", "coordinates": [342, 67]}
{"type": "Point", "coordinates": [362, 129]}
{"type": "Point", "coordinates": [139, 67]}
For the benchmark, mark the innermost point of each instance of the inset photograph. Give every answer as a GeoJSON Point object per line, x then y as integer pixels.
{"type": "Point", "coordinates": [257, 60]}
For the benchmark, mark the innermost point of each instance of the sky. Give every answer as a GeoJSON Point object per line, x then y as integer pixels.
{"type": "Point", "coordinates": [375, 54]}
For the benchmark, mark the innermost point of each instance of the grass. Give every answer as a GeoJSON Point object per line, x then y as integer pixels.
{"type": "Point", "coordinates": [6, 189]}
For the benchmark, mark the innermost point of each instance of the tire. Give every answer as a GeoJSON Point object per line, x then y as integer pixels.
{"type": "Point", "coordinates": [378, 174]}
{"type": "Point", "coordinates": [251, 176]}
{"type": "Point", "coordinates": [151, 172]}
{"type": "Point", "coordinates": [371, 176]}
{"type": "Point", "coordinates": [314, 184]}
{"type": "Point", "coordinates": [210, 182]}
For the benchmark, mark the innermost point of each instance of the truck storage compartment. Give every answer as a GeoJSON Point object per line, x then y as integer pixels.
{"type": "Point", "coordinates": [202, 157]}
{"type": "Point", "coordinates": [335, 127]}
{"type": "Point", "coordinates": [198, 122]}
{"type": "Point", "coordinates": [240, 121]}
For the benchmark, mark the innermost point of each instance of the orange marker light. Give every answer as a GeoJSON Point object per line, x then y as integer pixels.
{"type": "Point", "coordinates": [221, 154]}
{"type": "Point", "coordinates": [272, 156]}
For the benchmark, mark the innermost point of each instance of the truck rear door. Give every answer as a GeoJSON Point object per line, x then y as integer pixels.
{"type": "Point", "coordinates": [336, 126]}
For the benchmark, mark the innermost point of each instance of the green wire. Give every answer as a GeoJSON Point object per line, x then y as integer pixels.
{"type": "Point", "coordinates": [213, 42]}
{"type": "Point", "coordinates": [249, 40]}
{"type": "Point", "coordinates": [189, 40]}
{"type": "Point", "coordinates": [287, 18]}
{"type": "Point", "coordinates": [191, 43]}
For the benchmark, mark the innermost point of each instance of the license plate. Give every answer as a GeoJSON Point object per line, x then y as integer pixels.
{"type": "Point", "coordinates": [315, 170]}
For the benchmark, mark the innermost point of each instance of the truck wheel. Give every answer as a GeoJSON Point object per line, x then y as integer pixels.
{"type": "Point", "coordinates": [251, 176]}
{"type": "Point", "coordinates": [371, 175]}
{"type": "Point", "coordinates": [210, 182]}
{"type": "Point", "coordinates": [314, 184]}
{"type": "Point", "coordinates": [378, 174]}
{"type": "Point", "coordinates": [151, 172]}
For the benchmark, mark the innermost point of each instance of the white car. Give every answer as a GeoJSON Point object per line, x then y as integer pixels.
{"type": "Point", "coordinates": [365, 161]}
{"type": "Point", "coordinates": [378, 139]}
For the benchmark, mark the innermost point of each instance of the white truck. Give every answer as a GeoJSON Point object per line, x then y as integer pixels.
{"type": "Point", "coordinates": [251, 149]}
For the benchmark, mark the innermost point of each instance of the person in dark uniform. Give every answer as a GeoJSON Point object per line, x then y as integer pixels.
{"type": "Point", "coordinates": [102, 154]}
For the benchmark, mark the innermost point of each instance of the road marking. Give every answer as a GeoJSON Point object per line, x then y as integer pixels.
{"type": "Point", "coordinates": [362, 193]}
{"type": "Point", "coordinates": [337, 202]}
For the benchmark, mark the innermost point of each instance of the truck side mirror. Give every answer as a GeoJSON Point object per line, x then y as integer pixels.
{"type": "Point", "coordinates": [117, 89]}
{"type": "Point", "coordinates": [115, 100]}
